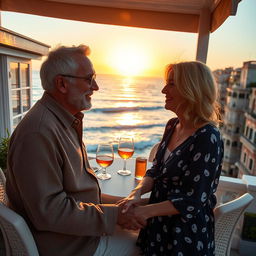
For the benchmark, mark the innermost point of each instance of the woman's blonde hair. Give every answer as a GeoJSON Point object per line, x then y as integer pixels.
{"type": "Point", "coordinates": [195, 83]}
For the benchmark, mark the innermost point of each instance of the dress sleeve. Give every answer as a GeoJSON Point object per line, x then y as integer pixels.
{"type": "Point", "coordinates": [200, 179]}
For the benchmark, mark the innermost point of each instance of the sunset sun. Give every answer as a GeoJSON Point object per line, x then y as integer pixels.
{"type": "Point", "coordinates": [129, 60]}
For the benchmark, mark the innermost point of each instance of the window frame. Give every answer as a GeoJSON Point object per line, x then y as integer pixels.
{"type": "Point", "coordinates": [20, 89]}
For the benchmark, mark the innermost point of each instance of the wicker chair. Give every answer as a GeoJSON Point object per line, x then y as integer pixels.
{"type": "Point", "coordinates": [152, 152]}
{"type": "Point", "coordinates": [226, 218]}
{"type": "Point", "coordinates": [17, 238]}
{"type": "Point", "coordinates": [3, 195]}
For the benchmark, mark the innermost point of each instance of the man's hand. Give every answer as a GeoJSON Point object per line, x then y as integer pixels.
{"type": "Point", "coordinates": [130, 220]}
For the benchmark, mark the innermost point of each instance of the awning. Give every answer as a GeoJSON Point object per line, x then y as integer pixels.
{"type": "Point", "coordinates": [176, 15]}
{"type": "Point", "coordinates": [194, 16]}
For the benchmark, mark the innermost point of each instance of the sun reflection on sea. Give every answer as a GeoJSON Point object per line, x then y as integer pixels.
{"type": "Point", "coordinates": [128, 119]}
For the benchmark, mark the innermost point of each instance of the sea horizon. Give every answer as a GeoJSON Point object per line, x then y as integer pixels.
{"type": "Point", "coordinates": [123, 106]}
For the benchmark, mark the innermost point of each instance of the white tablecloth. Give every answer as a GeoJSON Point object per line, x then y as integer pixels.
{"type": "Point", "coordinates": [118, 185]}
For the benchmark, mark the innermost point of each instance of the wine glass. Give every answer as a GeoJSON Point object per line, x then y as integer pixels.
{"type": "Point", "coordinates": [125, 151]}
{"type": "Point", "coordinates": [104, 158]}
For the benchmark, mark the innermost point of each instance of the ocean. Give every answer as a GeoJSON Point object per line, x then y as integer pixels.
{"type": "Point", "coordinates": [122, 106]}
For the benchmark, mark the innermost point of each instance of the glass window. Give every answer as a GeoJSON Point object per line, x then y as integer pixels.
{"type": "Point", "coordinates": [234, 144]}
{"type": "Point", "coordinates": [244, 158]}
{"type": "Point", "coordinates": [20, 90]}
{"type": "Point", "coordinates": [250, 134]}
{"type": "Point", "coordinates": [16, 121]}
{"type": "Point", "coordinates": [14, 69]}
{"type": "Point", "coordinates": [16, 103]}
{"type": "Point", "coordinates": [24, 74]}
{"type": "Point", "coordinates": [250, 164]}
{"type": "Point", "coordinates": [241, 95]}
{"type": "Point", "coordinates": [246, 131]}
{"type": "Point", "coordinates": [228, 143]}
{"type": "Point", "coordinates": [25, 99]}
{"type": "Point", "coordinates": [234, 95]}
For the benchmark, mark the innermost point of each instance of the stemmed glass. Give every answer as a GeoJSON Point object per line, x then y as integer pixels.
{"type": "Point", "coordinates": [104, 158]}
{"type": "Point", "coordinates": [125, 151]}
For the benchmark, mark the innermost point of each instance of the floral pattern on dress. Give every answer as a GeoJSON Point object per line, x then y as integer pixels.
{"type": "Point", "coordinates": [188, 178]}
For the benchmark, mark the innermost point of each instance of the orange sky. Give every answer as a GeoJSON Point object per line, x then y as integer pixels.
{"type": "Point", "coordinates": [145, 52]}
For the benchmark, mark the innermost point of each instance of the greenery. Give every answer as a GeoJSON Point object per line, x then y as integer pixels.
{"type": "Point", "coordinates": [4, 150]}
{"type": "Point", "coordinates": [249, 227]}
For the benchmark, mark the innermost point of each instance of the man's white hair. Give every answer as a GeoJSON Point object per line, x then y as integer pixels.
{"type": "Point", "coordinates": [61, 60]}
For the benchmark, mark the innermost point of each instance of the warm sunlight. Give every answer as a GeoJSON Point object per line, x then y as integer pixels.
{"type": "Point", "coordinates": [128, 119]}
{"type": "Point", "coordinates": [129, 60]}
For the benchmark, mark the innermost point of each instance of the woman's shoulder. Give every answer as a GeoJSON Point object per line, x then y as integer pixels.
{"type": "Point", "coordinates": [208, 132]}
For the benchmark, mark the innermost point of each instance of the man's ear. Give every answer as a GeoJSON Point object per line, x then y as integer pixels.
{"type": "Point", "coordinates": [60, 84]}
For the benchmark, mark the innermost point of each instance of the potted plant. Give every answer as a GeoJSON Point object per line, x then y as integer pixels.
{"type": "Point", "coordinates": [3, 151]}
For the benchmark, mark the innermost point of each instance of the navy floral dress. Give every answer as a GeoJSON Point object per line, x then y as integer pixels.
{"type": "Point", "coordinates": [188, 178]}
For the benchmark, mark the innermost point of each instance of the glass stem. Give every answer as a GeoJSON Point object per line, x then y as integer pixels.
{"type": "Point", "coordinates": [124, 164]}
{"type": "Point", "coordinates": [104, 171]}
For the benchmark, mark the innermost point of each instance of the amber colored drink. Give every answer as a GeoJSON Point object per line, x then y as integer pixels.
{"type": "Point", "coordinates": [104, 161]}
{"type": "Point", "coordinates": [140, 167]}
{"type": "Point", "coordinates": [125, 153]}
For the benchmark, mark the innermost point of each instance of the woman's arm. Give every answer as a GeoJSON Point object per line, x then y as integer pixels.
{"type": "Point", "coordinates": [158, 209]}
{"type": "Point", "coordinates": [134, 197]}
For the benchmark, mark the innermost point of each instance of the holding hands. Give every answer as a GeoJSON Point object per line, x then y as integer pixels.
{"type": "Point", "coordinates": [132, 214]}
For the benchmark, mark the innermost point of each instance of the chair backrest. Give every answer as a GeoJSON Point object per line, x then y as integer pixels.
{"type": "Point", "coordinates": [226, 219]}
{"type": "Point", "coordinates": [3, 195]}
{"type": "Point", "coordinates": [152, 152]}
{"type": "Point", "coordinates": [17, 236]}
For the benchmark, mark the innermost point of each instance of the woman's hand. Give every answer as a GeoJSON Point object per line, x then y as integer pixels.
{"type": "Point", "coordinates": [133, 199]}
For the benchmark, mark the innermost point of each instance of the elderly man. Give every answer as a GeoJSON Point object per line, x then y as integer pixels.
{"type": "Point", "coordinates": [49, 180]}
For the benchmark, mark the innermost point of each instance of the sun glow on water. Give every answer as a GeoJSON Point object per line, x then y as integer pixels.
{"type": "Point", "coordinates": [128, 119]}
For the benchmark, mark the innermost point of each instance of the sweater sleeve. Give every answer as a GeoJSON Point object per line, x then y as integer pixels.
{"type": "Point", "coordinates": [36, 169]}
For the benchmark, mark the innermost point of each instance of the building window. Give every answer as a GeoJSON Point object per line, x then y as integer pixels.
{"type": "Point", "coordinates": [237, 130]}
{"type": "Point", "coordinates": [228, 142]}
{"type": "Point", "coordinates": [250, 164]}
{"type": "Point", "coordinates": [244, 161]}
{"type": "Point", "coordinates": [20, 91]}
{"type": "Point", "coordinates": [234, 95]}
{"type": "Point", "coordinates": [254, 137]}
{"type": "Point", "coordinates": [250, 134]}
{"type": "Point", "coordinates": [234, 144]}
{"type": "Point", "coordinates": [241, 95]}
{"type": "Point", "coordinates": [246, 131]}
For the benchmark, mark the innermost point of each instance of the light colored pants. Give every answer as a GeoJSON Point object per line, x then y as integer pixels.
{"type": "Point", "coordinates": [121, 243]}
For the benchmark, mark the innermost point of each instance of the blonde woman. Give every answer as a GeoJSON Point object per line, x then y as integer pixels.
{"type": "Point", "coordinates": [179, 216]}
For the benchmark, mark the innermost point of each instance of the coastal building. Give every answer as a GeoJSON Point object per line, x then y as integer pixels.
{"type": "Point", "coordinates": [247, 163]}
{"type": "Point", "coordinates": [233, 125]}
{"type": "Point", "coordinates": [248, 75]}
{"type": "Point", "coordinates": [235, 114]}
{"type": "Point", "coordinates": [222, 80]}
{"type": "Point", "coordinates": [16, 53]}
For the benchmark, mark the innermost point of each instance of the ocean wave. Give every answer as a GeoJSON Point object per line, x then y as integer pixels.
{"type": "Point", "coordinates": [124, 109]}
{"type": "Point", "coordinates": [122, 127]}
